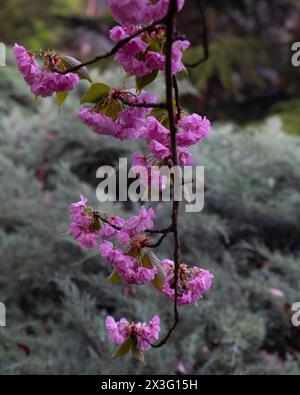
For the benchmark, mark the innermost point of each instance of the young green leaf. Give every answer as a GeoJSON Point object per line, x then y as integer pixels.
{"type": "Point", "coordinates": [134, 252]}
{"type": "Point", "coordinates": [60, 98]}
{"type": "Point", "coordinates": [137, 353]}
{"type": "Point", "coordinates": [160, 277]}
{"type": "Point", "coordinates": [141, 82]}
{"type": "Point", "coordinates": [124, 348]}
{"type": "Point", "coordinates": [113, 109]}
{"type": "Point", "coordinates": [114, 278]}
{"type": "Point", "coordinates": [146, 261]}
{"type": "Point", "coordinates": [96, 93]}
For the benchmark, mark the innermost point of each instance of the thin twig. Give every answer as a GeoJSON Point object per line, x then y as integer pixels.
{"type": "Point", "coordinates": [161, 239]}
{"type": "Point", "coordinates": [205, 42]}
{"type": "Point", "coordinates": [176, 91]}
{"type": "Point", "coordinates": [116, 227]}
{"type": "Point", "coordinates": [120, 44]}
{"type": "Point", "coordinates": [142, 105]}
{"type": "Point", "coordinates": [172, 11]}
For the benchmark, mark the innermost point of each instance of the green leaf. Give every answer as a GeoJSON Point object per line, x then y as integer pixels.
{"type": "Point", "coordinates": [141, 82]}
{"type": "Point", "coordinates": [137, 353]}
{"type": "Point", "coordinates": [161, 115]}
{"type": "Point", "coordinates": [134, 252]}
{"type": "Point", "coordinates": [96, 93]}
{"type": "Point", "coordinates": [60, 98]}
{"type": "Point", "coordinates": [146, 261]}
{"type": "Point", "coordinates": [159, 279]}
{"type": "Point", "coordinates": [114, 278]}
{"type": "Point", "coordinates": [69, 61]}
{"type": "Point", "coordinates": [155, 46]}
{"type": "Point", "coordinates": [112, 110]}
{"type": "Point", "coordinates": [124, 348]}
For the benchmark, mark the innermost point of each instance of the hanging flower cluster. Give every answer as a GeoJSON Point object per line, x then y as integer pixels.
{"type": "Point", "coordinates": [124, 244]}
{"type": "Point", "coordinates": [192, 284]}
{"type": "Point", "coordinates": [144, 54]}
{"type": "Point", "coordinates": [137, 337]}
{"type": "Point", "coordinates": [110, 117]}
{"type": "Point", "coordinates": [126, 114]}
{"type": "Point", "coordinates": [136, 12]}
{"type": "Point", "coordinates": [43, 82]}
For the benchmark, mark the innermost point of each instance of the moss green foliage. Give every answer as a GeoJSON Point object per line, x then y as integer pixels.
{"type": "Point", "coordinates": [57, 295]}
{"type": "Point", "coordinates": [232, 59]}
{"type": "Point", "coordinates": [290, 115]}
{"type": "Point", "coordinates": [35, 22]}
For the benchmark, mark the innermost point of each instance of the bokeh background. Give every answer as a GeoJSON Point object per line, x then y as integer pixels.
{"type": "Point", "coordinates": [248, 234]}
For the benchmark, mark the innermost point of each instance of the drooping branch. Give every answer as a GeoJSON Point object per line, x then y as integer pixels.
{"type": "Point", "coordinates": [120, 44]}
{"type": "Point", "coordinates": [172, 90]}
{"type": "Point", "coordinates": [172, 11]}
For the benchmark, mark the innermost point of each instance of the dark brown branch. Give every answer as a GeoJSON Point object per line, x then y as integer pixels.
{"type": "Point", "coordinates": [173, 8]}
{"type": "Point", "coordinates": [151, 231]}
{"type": "Point", "coordinates": [142, 105]}
{"type": "Point", "coordinates": [205, 42]}
{"type": "Point", "coordinates": [176, 91]}
{"type": "Point", "coordinates": [115, 48]}
{"type": "Point", "coordinates": [157, 231]}
{"type": "Point", "coordinates": [161, 239]}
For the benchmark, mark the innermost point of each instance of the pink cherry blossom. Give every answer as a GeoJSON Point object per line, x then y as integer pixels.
{"type": "Point", "coordinates": [185, 158]}
{"type": "Point", "coordinates": [150, 176]}
{"type": "Point", "coordinates": [108, 231]}
{"type": "Point", "coordinates": [77, 210]}
{"type": "Point", "coordinates": [137, 12]}
{"type": "Point", "coordinates": [160, 151]}
{"type": "Point", "coordinates": [178, 48]}
{"type": "Point", "coordinates": [143, 333]}
{"type": "Point", "coordinates": [42, 82]}
{"type": "Point", "coordinates": [193, 128]}
{"type": "Point", "coordinates": [156, 131]}
{"type": "Point", "coordinates": [81, 227]}
{"type": "Point", "coordinates": [192, 283]}
{"type": "Point", "coordinates": [118, 331]}
{"type": "Point", "coordinates": [142, 221]}
{"type": "Point", "coordinates": [86, 237]}
{"type": "Point", "coordinates": [139, 59]}
{"type": "Point", "coordinates": [128, 267]}
{"type": "Point", "coordinates": [129, 125]}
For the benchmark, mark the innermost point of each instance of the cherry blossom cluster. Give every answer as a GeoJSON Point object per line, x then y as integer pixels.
{"type": "Point", "coordinates": [145, 54]}
{"type": "Point", "coordinates": [139, 335]}
{"type": "Point", "coordinates": [123, 243]}
{"type": "Point", "coordinates": [43, 82]}
{"type": "Point", "coordinates": [192, 284]}
{"type": "Point", "coordinates": [128, 123]}
{"type": "Point", "coordinates": [137, 12]}
{"type": "Point", "coordinates": [127, 259]}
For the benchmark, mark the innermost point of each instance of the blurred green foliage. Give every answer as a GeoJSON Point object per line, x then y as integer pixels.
{"type": "Point", "coordinates": [35, 23]}
{"type": "Point", "coordinates": [229, 56]}
{"type": "Point", "coordinates": [290, 115]}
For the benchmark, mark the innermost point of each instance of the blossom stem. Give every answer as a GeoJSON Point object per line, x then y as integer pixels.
{"type": "Point", "coordinates": [142, 105]}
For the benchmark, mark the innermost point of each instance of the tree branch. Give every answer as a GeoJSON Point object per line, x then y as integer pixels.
{"type": "Point", "coordinates": [172, 11]}
{"type": "Point", "coordinates": [115, 48]}
{"type": "Point", "coordinates": [205, 42]}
